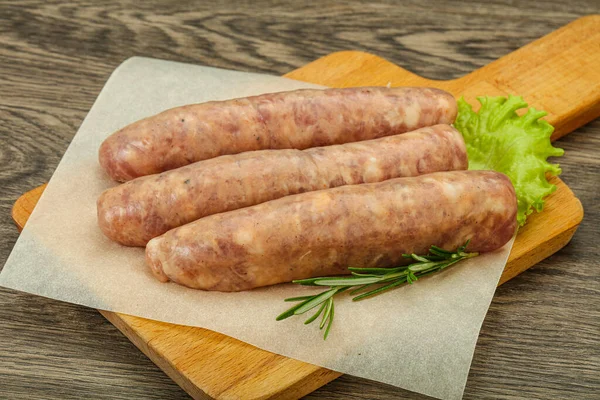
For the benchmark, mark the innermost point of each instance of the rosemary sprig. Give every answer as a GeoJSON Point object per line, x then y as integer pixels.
{"type": "Point", "coordinates": [361, 279]}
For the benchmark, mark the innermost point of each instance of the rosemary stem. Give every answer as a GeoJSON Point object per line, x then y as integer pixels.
{"type": "Point", "coordinates": [384, 279]}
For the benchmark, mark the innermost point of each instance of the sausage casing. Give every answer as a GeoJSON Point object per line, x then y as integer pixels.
{"type": "Point", "coordinates": [146, 207]}
{"type": "Point", "coordinates": [324, 232]}
{"type": "Point", "coordinates": [288, 120]}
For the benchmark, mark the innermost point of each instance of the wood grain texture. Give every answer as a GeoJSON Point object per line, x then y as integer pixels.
{"type": "Point", "coordinates": [564, 61]}
{"type": "Point", "coordinates": [539, 339]}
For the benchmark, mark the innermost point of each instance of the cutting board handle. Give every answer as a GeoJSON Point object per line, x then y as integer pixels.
{"type": "Point", "coordinates": [559, 73]}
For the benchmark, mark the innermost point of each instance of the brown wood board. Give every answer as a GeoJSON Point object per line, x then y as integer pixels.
{"type": "Point", "coordinates": [556, 73]}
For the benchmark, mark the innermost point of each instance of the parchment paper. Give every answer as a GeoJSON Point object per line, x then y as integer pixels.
{"type": "Point", "coordinates": [419, 337]}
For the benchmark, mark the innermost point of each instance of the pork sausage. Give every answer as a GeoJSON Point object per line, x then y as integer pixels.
{"type": "Point", "coordinates": [324, 232]}
{"type": "Point", "coordinates": [146, 207]}
{"type": "Point", "coordinates": [288, 120]}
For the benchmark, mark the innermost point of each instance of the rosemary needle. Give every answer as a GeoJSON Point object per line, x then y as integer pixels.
{"type": "Point", "coordinates": [361, 279]}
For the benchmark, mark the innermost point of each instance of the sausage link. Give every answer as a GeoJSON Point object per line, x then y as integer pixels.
{"type": "Point", "coordinates": [288, 120]}
{"type": "Point", "coordinates": [146, 207]}
{"type": "Point", "coordinates": [324, 232]}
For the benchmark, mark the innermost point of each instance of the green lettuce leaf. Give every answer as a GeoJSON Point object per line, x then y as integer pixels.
{"type": "Point", "coordinates": [498, 139]}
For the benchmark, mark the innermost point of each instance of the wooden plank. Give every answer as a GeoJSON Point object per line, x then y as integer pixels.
{"type": "Point", "coordinates": [556, 73]}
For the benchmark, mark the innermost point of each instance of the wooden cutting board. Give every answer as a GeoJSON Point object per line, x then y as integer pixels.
{"type": "Point", "coordinates": [558, 73]}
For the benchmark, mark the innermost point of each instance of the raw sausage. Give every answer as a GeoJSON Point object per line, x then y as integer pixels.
{"type": "Point", "coordinates": [146, 207]}
{"type": "Point", "coordinates": [324, 232]}
{"type": "Point", "coordinates": [288, 120]}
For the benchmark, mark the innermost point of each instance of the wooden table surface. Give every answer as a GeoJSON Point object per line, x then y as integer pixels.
{"type": "Point", "coordinates": [541, 336]}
